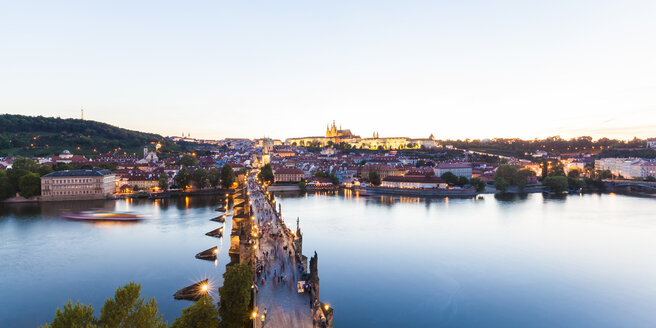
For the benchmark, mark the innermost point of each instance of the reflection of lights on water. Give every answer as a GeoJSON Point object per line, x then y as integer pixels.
{"type": "Point", "coordinates": [187, 202]}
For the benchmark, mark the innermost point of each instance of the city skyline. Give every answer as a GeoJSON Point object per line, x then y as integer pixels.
{"type": "Point", "coordinates": [467, 70]}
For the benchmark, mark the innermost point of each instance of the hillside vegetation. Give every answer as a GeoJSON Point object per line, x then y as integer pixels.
{"type": "Point", "coordinates": [42, 136]}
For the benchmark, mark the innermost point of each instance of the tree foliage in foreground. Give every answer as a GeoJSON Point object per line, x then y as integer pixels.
{"type": "Point", "coordinates": [127, 309]}
{"type": "Point", "coordinates": [235, 296]}
{"type": "Point", "coordinates": [202, 314]}
{"type": "Point", "coordinates": [74, 316]}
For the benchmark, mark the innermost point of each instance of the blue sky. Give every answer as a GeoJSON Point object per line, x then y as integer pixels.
{"type": "Point", "coordinates": [458, 69]}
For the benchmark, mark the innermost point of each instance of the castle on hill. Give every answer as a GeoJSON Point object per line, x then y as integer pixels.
{"type": "Point", "coordinates": [335, 136]}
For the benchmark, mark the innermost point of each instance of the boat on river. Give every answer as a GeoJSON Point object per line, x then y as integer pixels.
{"type": "Point", "coordinates": [102, 216]}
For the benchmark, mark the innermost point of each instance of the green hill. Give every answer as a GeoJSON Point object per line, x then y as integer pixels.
{"type": "Point", "coordinates": [42, 136]}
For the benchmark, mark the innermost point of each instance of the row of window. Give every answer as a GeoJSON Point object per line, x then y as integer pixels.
{"type": "Point", "coordinates": [89, 186]}
{"type": "Point", "coordinates": [81, 192]}
{"type": "Point", "coordinates": [71, 180]}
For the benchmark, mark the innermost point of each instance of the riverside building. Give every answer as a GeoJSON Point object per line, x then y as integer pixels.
{"type": "Point", "coordinates": [77, 185]}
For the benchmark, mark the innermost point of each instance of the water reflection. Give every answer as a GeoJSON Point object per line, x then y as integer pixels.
{"type": "Point", "coordinates": [86, 261]}
{"type": "Point", "coordinates": [484, 261]}
{"type": "Point", "coordinates": [509, 197]}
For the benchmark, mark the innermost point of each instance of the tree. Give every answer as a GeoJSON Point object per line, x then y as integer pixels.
{"type": "Point", "coordinates": [575, 184]}
{"type": "Point", "coordinates": [235, 296]}
{"type": "Point", "coordinates": [25, 164]}
{"type": "Point", "coordinates": [127, 309]}
{"type": "Point", "coordinates": [557, 170]}
{"type": "Point", "coordinates": [266, 174]}
{"type": "Point", "coordinates": [62, 167]}
{"type": "Point", "coordinates": [163, 181]}
{"type": "Point", "coordinates": [521, 178]}
{"type": "Point", "coordinates": [6, 189]}
{"type": "Point", "coordinates": [501, 184]}
{"type": "Point", "coordinates": [450, 178]}
{"type": "Point", "coordinates": [200, 176]}
{"type": "Point", "coordinates": [188, 160]}
{"type": "Point", "coordinates": [202, 314]}
{"type": "Point", "coordinates": [323, 174]}
{"type": "Point", "coordinates": [462, 181]}
{"type": "Point", "coordinates": [29, 185]}
{"type": "Point", "coordinates": [44, 169]}
{"type": "Point", "coordinates": [650, 179]}
{"type": "Point", "coordinates": [478, 184]}
{"type": "Point", "coordinates": [374, 178]}
{"type": "Point", "coordinates": [574, 173]}
{"type": "Point", "coordinates": [228, 176]}
{"type": "Point", "coordinates": [604, 174]}
{"type": "Point", "coordinates": [557, 183]}
{"type": "Point", "coordinates": [214, 176]}
{"type": "Point", "coordinates": [182, 178]}
{"type": "Point", "coordinates": [108, 166]}
{"type": "Point", "coordinates": [507, 172]}
{"type": "Point", "coordinates": [74, 316]}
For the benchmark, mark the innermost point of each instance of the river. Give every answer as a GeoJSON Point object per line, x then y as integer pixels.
{"type": "Point", "coordinates": [524, 261]}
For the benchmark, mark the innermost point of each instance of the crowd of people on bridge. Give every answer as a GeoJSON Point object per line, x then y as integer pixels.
{"type": "Point", "coordinates": [276, 260]}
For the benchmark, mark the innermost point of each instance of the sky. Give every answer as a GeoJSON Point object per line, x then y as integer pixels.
{"type": "Point", "coordinates": [216, 69]}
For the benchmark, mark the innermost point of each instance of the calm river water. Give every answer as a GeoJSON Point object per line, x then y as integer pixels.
{"type": "Point", "coordinates": [579, 261]}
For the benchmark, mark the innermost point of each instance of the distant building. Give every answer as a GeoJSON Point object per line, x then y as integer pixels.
{"type": "Point", "coordinates": [627, 167]}
{"type": "Point", "coordinates": [651, 143]}
{"type": "Point", "coordinates": [288, 174]}
{"type": "Point", "coordinates": [337, 136]}
{"type": "Point", "coordinates": [67, 158]}
{"type": "Point", "coordinates": [77, 185]}
{"type": "Point", "coordinates": [383, 170]}
{"type": "Point", "coordinates": [149, 156]}
{"type": "Point", "coordinates": [414, 182]}
{"type": "Point", "coordinates": [328, 151]}
{"type": "Point", "coordinates": [459, 169]}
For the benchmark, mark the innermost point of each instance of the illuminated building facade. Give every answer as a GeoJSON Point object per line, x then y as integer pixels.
{"type": "Point", "coordinates": [337, 136]}
{"type": "Point", "coordinates": [77, 185]}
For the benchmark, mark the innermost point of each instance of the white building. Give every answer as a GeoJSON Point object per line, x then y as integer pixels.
{"type": "Point", "coordinates": [458, 169]}
{"type": "Point", "coordinates": [651, 143]}
{"type": "Point", "coordinates": [627, 167]}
